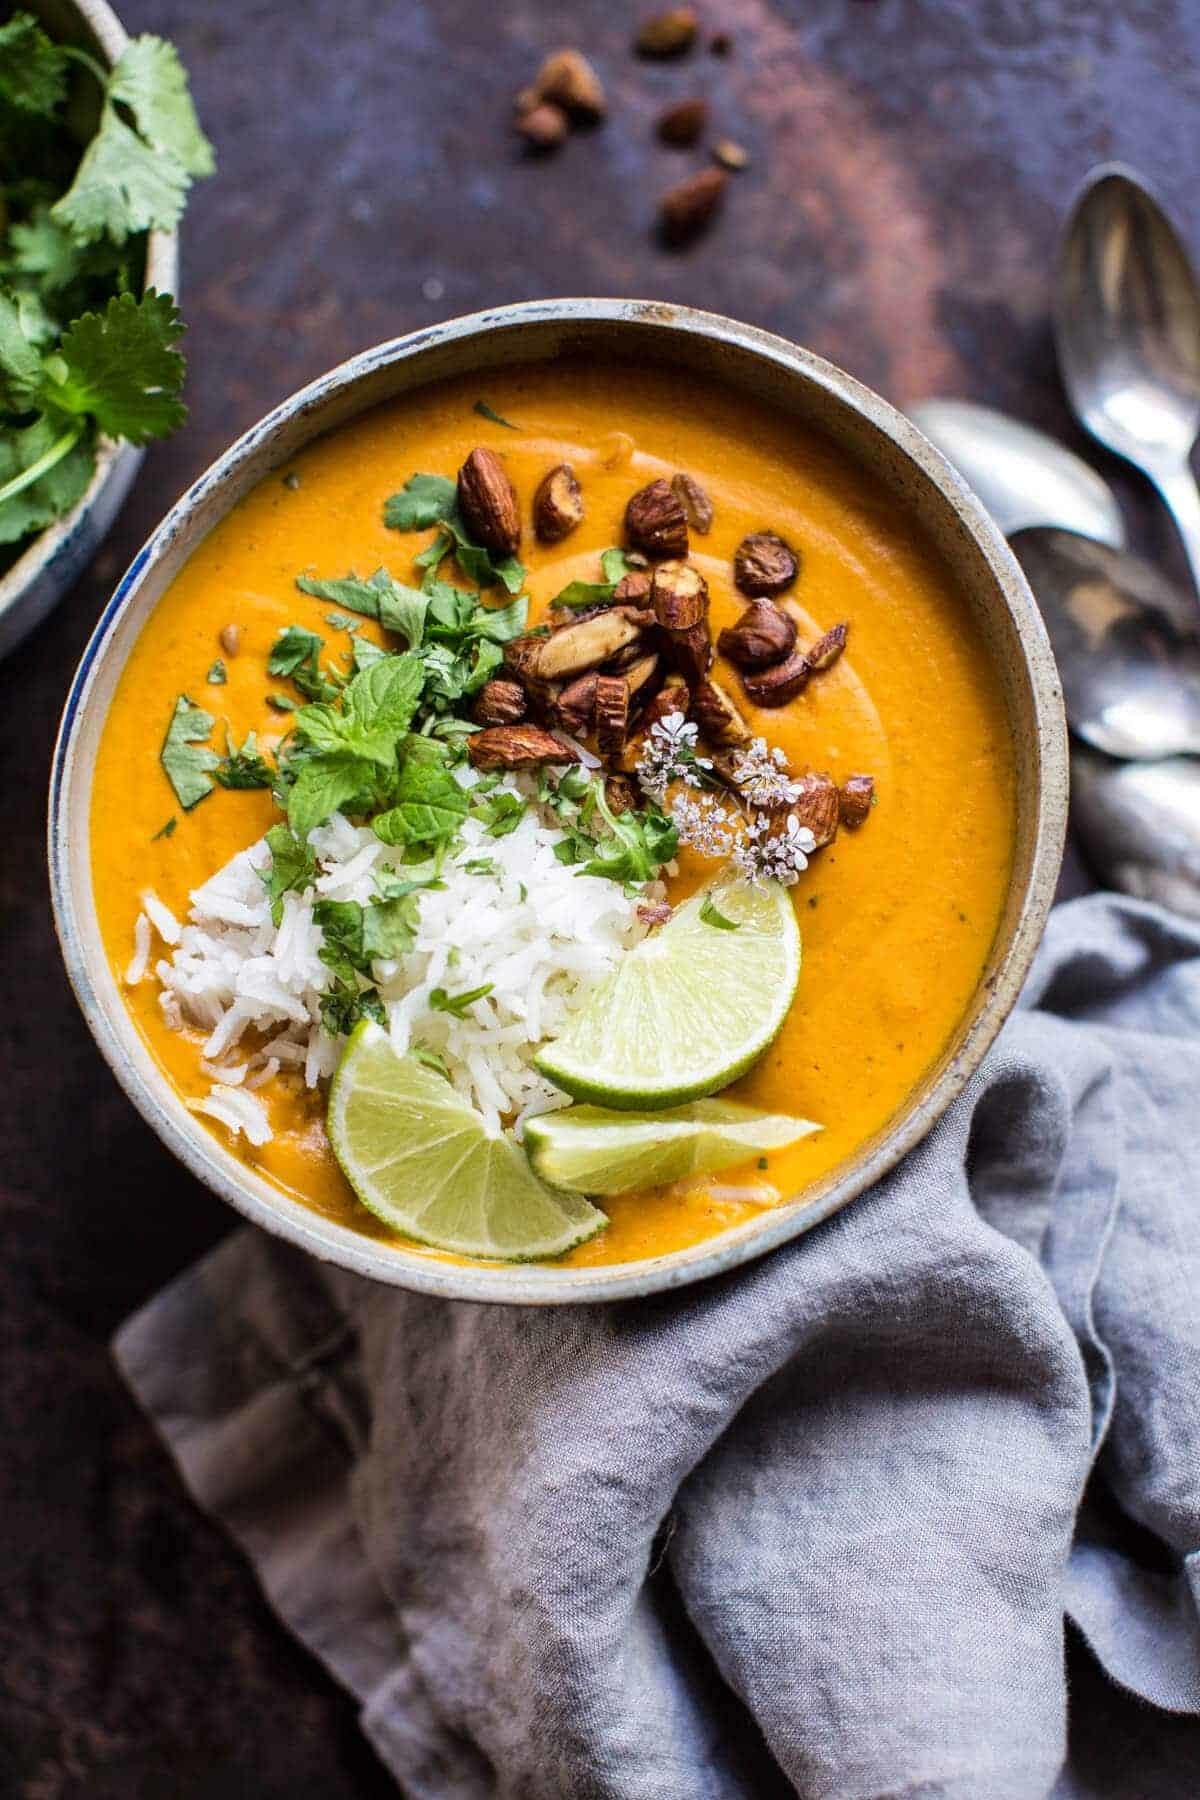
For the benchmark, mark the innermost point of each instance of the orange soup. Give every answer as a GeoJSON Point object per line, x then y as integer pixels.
{"type": "Point", "coordinates": [897, 917]}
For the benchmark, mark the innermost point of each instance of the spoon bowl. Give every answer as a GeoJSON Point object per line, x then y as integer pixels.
{"type": "Point", "coordinates": [1140, 824]}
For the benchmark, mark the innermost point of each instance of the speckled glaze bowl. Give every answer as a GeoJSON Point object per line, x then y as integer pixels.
{"type": "Point", "coordinates": [884, 445]}
{"type": "Point", "coordinates": [57, 557]}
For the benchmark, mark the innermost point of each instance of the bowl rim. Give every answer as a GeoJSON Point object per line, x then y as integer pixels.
{"type": "Point", "coordinates": [265, 1204]}
{"type": "Point", "coordinates": [115, 461]}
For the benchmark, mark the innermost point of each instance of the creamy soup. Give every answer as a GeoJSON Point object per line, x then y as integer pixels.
{"type": "Point", "coordinates": [897, 917]}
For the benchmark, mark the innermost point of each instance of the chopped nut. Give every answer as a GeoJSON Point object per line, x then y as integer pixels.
{"type": "Point", "coordinates": [685, 209]}
{"type": "Point", "coordinates": [585, 644]}
{"type": "Point", "coordinates": [230, 639]}
{"type": "Point", "coordinates": [621, 794]}
{"type": "Point", "coordinates": [816, 806]}
{"type": "Point", "coordinates": [500, 702]}
{"type": "Point", "coordinates": [856, 797]}
{"type": "Point", "coordinates": [489, 503]}
{"type": "Point", "coordinates": [568, 78]}
{"type": "Point", "coordinates": [544, 127]}
{"type": "Point", "coordinates": [679, 596]}
{"type": "Point", "coordinates": [655, 521]}
{"type": "Point", "coordinates": [667, 33]}
{"type": "Point", "coordinates": [761, 636]}
{"type": "Point", "coordinates": [575, 707]}
{"type": "Point", "coordinates": [695, 503]}
{"type": "Point", "coordinates": [612, 714]}
{"type": "Point", "coordinates": [764, 564]}
{"type": "Point", "coordinates": [827, 649]}
{"type": "Point", "coordinates": [639, 675]}
{"type": "Point", "coordinates": [718, 717]}
{"type": "Point", "coordinates": [653, 912]}
{"type": "Point", "coordinates": [557, 505]}
{"type": "Point", "coordinates": [683, 123]}
{"type": "Point", "coordinates": [730, 155]}
{"type": "Point", "coordinates": [780, 683]}
{"type": "Point", "coordinates": [672, 697]}
{"type": "Point", "coordinates": [690, 651]}
{"type": "Point", "coordinates": [517, 747]}
{"type": "Point", "coordinates": [634, 589]}
{"type": "Point", "coordinates": [615, 449]}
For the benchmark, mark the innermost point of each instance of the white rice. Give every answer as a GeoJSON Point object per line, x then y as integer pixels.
{"type": "Point", "coordinates": [540, 934]}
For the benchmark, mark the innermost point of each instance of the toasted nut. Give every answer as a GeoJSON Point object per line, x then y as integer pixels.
{"type": "Point", "coordinates": [856, 797]}
{"type": "Point", "coordinates": [679, 596]}
{"type": "Point", "coordinates": [518, 747]}
{"type": "Point", "coordinates": [575, 707]}
{"type": "Point", "coordinates": [816, 806]}
{"type": "Point", "coordinates": [634, 589]}
{"type": "Point", "coordinates": [230, 639]}
{"type": "Point", "coordinates": [584, 644]}
{"type": "Point", "coordinates": [672, 697]}
{"type": "Point", "coordinates": [654, 912]}
{"type": "Point", "coordinates": [500, 702]}
{"type": "Point", "coordinates": [655, 522]}
{"type": "Point", "coordinates": [615, 449]}
{"type": "Point", "coordinates": [764, 564]}
{"type": "Point", "coordinates": [780, 683]}
{"type": "Point", "coordinates": [718, 717]}
{"type": "Point", "coordinates": [695, 503]}
{"type": "Point", "coordinates": [827, 649]}
{"type": "Point", "coordinates": [544, 127]}
{"type": "Point", "coordinates": [683, 123]}
{"type": "Point", "coordinates": [489, 503]}
{"type": "Point", "coordinates": [612, 714]}
{"type": "Point", "coordinates": [685, 209]}
{"type": "Point", "coordinates": [621, 795]}
{"type": "Point", "coordinates": [557, 505]}
{"type": "Point", "coordinates": [761, 636]}
{"type": "Point", "coordinates": [639, 675]}
{"type": "Point", "coordinates": [730, 155]}
{"type": "Point", "coordinates": [667, 33]}
{"type": "Point", "coordinates": [690, 651]}
{"type": "Point", "coordinates": [568, 78]}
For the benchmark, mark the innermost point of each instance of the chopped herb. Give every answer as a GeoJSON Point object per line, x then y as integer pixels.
{"type": "Point", "coordinates": [188, 766]}
{"type": "Point", "coordinates": [480, 865]}
{"type": "Point", "coordinates": [578, 594]}
{"type": "Point", "coordinates": [500, 812]}
{"type": "Point", "coordinates": [342, 622]}
{"type": "Point", "coordinates": [433, 500]}
{"type": "Point", "coordinates": [430, 805]}
{"type": "Point", "coordinates": [424, 500]}
{"type": "Point", "coordinates": [281, 703]}
{"type": "Point", "coordinates": [167, 830]}
{"type": "Point", "coordinates": [346, 759]}
{"type": "Point", "coordinates": [711, 915]}
{"type": "Point", "coordinates": [296, 653]}
{"type": "Point", "coordinates": [487, 412]}
{"type": "Point", "coordinates": [291, 480]}
{"type": "Point", "coordinates": [343, 1006]}
{"type": "Point", "coordinates": [429, 1058]}
{"type": "Point", "coordinates": [441, 1001]}
{"type": "Point", "coordinates": [217, 675]}
{"type": "Point", "coordinates": [398, 608]}
{"type": "Point", "coordinates": [762, 1162]}
{"type": "Point", "coordinates": [615, 563]}
{"type": "Point", "coordinates": [292, 867]}
{"type": "Point", "coordinates": [244, 768]}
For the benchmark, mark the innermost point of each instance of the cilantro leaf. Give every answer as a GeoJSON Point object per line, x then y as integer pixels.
{"type": "Point", "coordinates": [120, 367]}
{"type": "Point", "coordinates": [489, 412]}
{"type": "Point", "coordinates": [390, 928]}
{"type": "Point", "coordinates": [398, 608]}
{"type": "Point", "coordinates": [33, 70]}
{"type": "Point", "coordinates": [151, 81]}
{"type": "Point", "coordinates": [66, 462]}
{"type": "Point", "coordinates": [122, 186]}
{"type": "Point", "coordinates": [500, 813]}
{"type": "Point", "coordinates": [291, 867]}
{"type": "Point", "coordinates": [188, 767]}
{"type": "Point", "coordinates": [244, 768]}
{"type": "Point", "coordinates": [424, 500]}
{"type": "Point", "coordinates": [579, 594]}
{"type": "Point", "coordinates": [218, 674]}
{"type": "Point", "coordinates": [433, 500]}
{"type": "Point", "coordinates": [441, 1001]}
{"type": "Point", "coordinates": [20, 364]}
{"type": "Point", "coordinates": [616, 564]}
{"type": "Point", "coordinates": [296, 653]}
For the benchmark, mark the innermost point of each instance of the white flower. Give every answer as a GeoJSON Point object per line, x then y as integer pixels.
{"type": "Point", "coordinates": [670, 755]}
{"type": "Point", "coordinates": [762, 775]}
{"type": "Point", "coordinates": [702, 824]}
{"type": "Point", "coordinates": [763, 855]}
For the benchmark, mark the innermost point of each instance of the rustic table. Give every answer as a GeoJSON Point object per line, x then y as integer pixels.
{"type": "Point", "coordinates": [911, 160]}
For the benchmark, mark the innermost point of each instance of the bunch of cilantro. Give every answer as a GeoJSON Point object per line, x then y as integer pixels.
{"type": "Point", "coordinates": [82, 352]}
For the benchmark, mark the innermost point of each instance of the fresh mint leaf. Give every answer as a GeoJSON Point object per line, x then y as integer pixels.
{"type": "Point", "coordinates": [33, 70]}
{"type": "Point", "coordinates": [383, 697]}
{"type": "Point", "coordinates": [244, 768]}
{"type": "Point", "coordinates": [334, 783]}
{"type": "Point", "coordinates": [424, 500]}
{"type": "Point", "coordinates": [441, 1001]}
{"type": "Point", "coordinates": [390, 928]}
{"type": "Point", "coordinates": [119, 367]}
{"type": "Point", "coordinates": [489, 412]}
{"type": "Point", "coordinates": [151, 81]}
{"type": "Point", "coordinates": [291, 868]}
{"type": "Point", "coordinates": [217, 675]}
{"type": "Point", "coordinates": [188, 766]}
{"type": "Point", "coordinates": [711, 914]}
{"type": "Point", "coordinates": [429, 806]}
{"type": "Point", "coordinates": [365, 654]}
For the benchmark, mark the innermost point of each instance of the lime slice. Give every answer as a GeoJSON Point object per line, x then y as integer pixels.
{"type": "Point", "coordinates": [418, 1156]}
{"type": "Point", "coordinates": [596, 1152]}
{"type": "Point", "coordinates": [688, 1009]}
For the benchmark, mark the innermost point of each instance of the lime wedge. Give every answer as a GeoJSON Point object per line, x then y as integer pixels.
{"type": "Point", "coordinates": [690, 1008]}
{"type": "Point", "coordinates": [418, 1156]}
{"type": "Point", "coordinates": [596, 1152]}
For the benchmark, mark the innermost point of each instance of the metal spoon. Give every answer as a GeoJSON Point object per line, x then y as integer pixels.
{"type": "Point", "coordinates": [1127, 325]}
{"type": "Point", "coordinates": [1141, 825]}
{"type": "Point", "coordinates": [1022, 476]}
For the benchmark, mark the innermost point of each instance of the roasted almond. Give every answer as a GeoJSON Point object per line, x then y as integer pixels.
{"type": "Point", "coordinates": [543, 127]}
{"type": "Point", "coordinates": [489, 503]}
{"type": "Point", "coordinates": [667, 33]}
{"type": "Point", "coordinates": [679, 596]}
{"type": "Point", "coordinates": [575, 707]}
{"type": "Point", "coordinates": [764, 564]}
{"type": "Point", "coordinates": [583, 645]}
{"type": "Point", "coordinates": [718, 717]}
{"type": "Point", "coordinates": [640, 675]}
{"type": "Point", "coordinates": [612, 715]}
{"type": "Point", "coordinates": [817, 806]}
{"type": "Point", "coordinates": [230, 639]}
{"type": "Point", "coordinates": [780, 683]}
{"type": "Point", "coordinates": [827, 649]}
{"type": "Point", "coordinates": [683, 123]}
{"type": "Point", "coordinates": [621, 795]}
{"type": "Point", "coordinates": [690, 652]}
{"type": "Point", "coordinates": [500, 702]}
{"type": "Point", "coordinates": [687, 208]}
{"type": "Point", "coordinates": [633, 589]}
{"type": "Point", "coordinates": [856, 797]}
{"type": "Point", "coordinates": [761, 636]}
{"type": "Point", "coordinates": [517, 747]}
{"type": "Point", "coordinates": [655, 521]}
{"type": "Point", "coordinates": [557, 505]}
{"type": "Point", "coordinates": [695, 503]}
{"type": "Point", "coordinates": [568, 78]}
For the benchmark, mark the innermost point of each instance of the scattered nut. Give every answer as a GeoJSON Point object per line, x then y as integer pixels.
{"type": "Point", "coordinates": [679, 596]}
{"type": "Point", "coordinates": [667, 33]}
{"type": "Point", "coordinates": [691, 651]}
{"type": "Point", "coordinates": [639, 675]}
{"type": "Point", "coordinates": [489, 503]}
{"type": "Point", "coordinates": [575, 707]}
{"type": "Point", "coordinates": [584, 644]}
{"type": "Point", "coordinates": [717, 716]}
{"type": "Point", "coordinates": [568, 78]}
{"type": "Point", "coordinates": [633, 590]}
{"type": "Point", "coordinates": [230, 639]}
{"type": "Point", "coordinates": [827, 649]}
{"type": "Point", "coordinates": [544, 127]}
{"type": "Point", "coordinates": [500, 702]}
{"type": "Point", "coordinates": [655, 521]}
{"type": "Point", "coordinates": [517, 747]}
{"type": "Point", "coordinates": [730, 155]}
{"type": "Point", "coordinates": [817, 806]}
{"type": "Point", "coordinates": [695, 503]}
{"type": "Point", "coordinates": [615, 449]}
{"type": "Point", "coordinates": [612, 714]}
{"type": "Point", "coordinates": [673, 696]}
{"type": "Point", "coordinates": [683, 123]}
{"type": "Point", "coordinates": [780, 683]}
{"type": "Point", "coordinates": [557, 505]}
{"type": "Point", "coordinates": [653, 912]}
{"type": "Point", "coordinates": [622, 796]}
{"type": "Point", "coordinates": [856, 797]}
{"type": "Point", "coordinates": [764, 564]}
{"type": "Point", "coordinates": [761, 636]}
{"type": "Point", "coordinates": [685, 209]}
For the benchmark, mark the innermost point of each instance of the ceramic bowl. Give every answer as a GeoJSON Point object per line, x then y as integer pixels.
{"type": "Point", "coordinates": [876, 437]}
{"type": "Point", "coordinates": [55, 560]}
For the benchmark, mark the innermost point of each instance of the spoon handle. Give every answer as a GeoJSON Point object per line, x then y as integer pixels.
{"type": "Point", "coordinates": [1178, 488]}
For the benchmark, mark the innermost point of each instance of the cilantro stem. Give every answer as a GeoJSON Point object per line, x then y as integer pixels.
{"type": "Point", "coordinates": [61, 447]}
{"type": "Point", "coordinates": [86, 62]}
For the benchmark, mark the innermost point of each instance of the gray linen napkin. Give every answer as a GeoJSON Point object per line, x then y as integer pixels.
{"type": "Point", "coordinates": [812, 1528]}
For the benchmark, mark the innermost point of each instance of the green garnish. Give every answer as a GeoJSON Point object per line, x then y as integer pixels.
{"type": "Point", "coordinates": [398, 608]}
{"type": "Point", "coordinates": [292, 867]}
{"type": "Point", "coordinates": [579, 594]}
{"type": "Point", "coordinates": [244, 768]}
{"type": "Point", "coordinates": [487, 412]}
{"type": "Point", "coordinates": [291, 481]}
{"type": "Point", "coordinates": [711, 915]}
{"type": "Point", "coordinates": [185, 755]}
{"type": "Point", "coordinates": [217, 675]}
{"type": "Point", "coordinates": [296, 653]}
{"type": "Point", "coordinates": [631, 850]}
{"type": "Point", "coordinates": [441, 1001]}
{"type": "Point", "coordinates": [433, 500]}
{"type": "Point", "coordinates": [500, 812]}
{"type": "Point", "coordinates": [167, 830]}
{"type": "Point", "coordinates": [346, 759]}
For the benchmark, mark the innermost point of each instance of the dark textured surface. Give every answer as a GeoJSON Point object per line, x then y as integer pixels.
{"type": "Point", "coordinates": [911, 161]}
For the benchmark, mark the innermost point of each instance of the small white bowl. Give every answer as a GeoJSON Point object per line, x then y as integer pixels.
{"type": "Point", "coordinates": [57, 557]}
